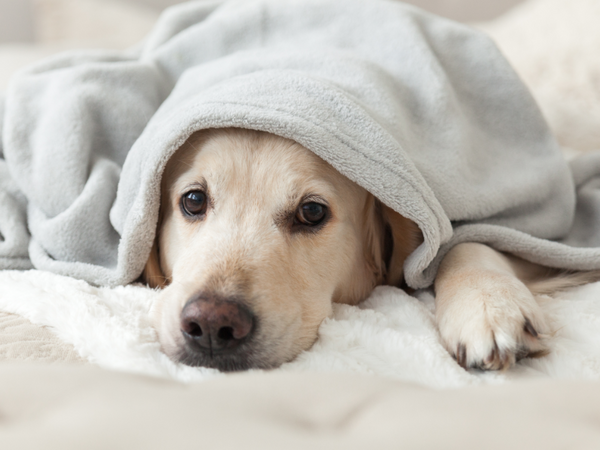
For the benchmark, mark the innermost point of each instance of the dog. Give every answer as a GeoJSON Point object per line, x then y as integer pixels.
{"type": "Point", "coordinates": [258, 237]}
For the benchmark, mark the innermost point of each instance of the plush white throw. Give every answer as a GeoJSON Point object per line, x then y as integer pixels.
{"type": "Point", "coordinates": [391, 334]}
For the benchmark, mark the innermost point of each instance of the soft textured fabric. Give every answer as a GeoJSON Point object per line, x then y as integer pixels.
{"type": "Point", "coordinates": [14, 236]}
{"type": "Point", "coordinates": [20, 340]}
{"type": "Point", "coordinates": [423, 112]}
{"type": "Point", "coordinates": [61, 25]}
{"type": "Point", "coordinates": [553, 46]}
{"type": "Point", "coordinates": [390, 334]}
{"type": "Point", "coordinates": [74, 408]}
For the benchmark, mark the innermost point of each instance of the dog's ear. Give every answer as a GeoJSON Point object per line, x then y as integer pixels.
{"type": "Point", "coordinates": [373, 239]}
{"type": "Point", "coordinates": [153, 275]}
{"type": "Point", "coordinates": [389, 238]}
{"type": "Point", "coordinates": [401, 237]}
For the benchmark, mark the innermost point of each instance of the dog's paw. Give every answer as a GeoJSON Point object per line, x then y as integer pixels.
{"type": "Point", "coordinates": [491, 322]}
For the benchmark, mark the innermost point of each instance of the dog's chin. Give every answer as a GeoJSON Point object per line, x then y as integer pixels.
{"type": "Point", "coordinates": [242, 360]}
{"type": "Point", "coordinates": [250, 354]}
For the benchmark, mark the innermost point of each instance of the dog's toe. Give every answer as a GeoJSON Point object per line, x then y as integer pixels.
{"type": "Point", "coordinates": [491, 329]}
{"type": "Point", "coordinates": [484, 352]}
{"type": "Point", "coordinates": [496, 360]}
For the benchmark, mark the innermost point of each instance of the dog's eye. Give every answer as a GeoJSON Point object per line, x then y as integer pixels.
{"type": "Point", "coordinates": [311, 214]}
{"type": "Point", "coordinates": [194, 203]}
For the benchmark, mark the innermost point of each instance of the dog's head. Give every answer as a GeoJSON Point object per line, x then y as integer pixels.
{"type": "Point", "coordinates": [257, 237]}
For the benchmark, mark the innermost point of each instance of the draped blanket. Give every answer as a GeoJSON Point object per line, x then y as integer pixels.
{"type": "Point", "coordinates": [423, 112]}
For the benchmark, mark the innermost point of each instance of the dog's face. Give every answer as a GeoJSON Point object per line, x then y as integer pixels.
{"type": "Point", "coordinates": [257, 238]}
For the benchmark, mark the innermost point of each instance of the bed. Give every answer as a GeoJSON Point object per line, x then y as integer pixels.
{"type": "Point", "coordinates": [377, 374]}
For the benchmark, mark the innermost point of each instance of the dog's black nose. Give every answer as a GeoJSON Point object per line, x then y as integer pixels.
{"type": "Point", "coordinates": [215, 325]}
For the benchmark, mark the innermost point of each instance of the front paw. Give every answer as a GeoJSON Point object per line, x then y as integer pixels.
{"type": "Point", "coordinates": [492, 322]}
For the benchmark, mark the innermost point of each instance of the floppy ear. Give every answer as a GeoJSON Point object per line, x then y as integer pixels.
{"type": "Point", "coordinates": [153, 275]}
{"type": "Point", "coordinates": [373, 239]}
{"type": "Point", "coordinates": [401, 237]}
{"type": "Point", "coordinates": [389, 238]}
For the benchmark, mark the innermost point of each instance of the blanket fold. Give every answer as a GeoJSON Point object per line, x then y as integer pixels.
{"type": "Point", "coordinates": [14, 236]}
{"type": "Point", "coordinates": [423, 112]}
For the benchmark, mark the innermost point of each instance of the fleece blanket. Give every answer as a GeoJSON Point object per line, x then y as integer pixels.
{"type": "Point", "coordinates": [423, 112]}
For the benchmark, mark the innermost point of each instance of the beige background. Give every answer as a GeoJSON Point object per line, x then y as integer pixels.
{"type": "Point", "coordinates": [16, 17]}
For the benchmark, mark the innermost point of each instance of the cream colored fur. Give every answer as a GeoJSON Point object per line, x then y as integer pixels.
{"type": "Point", "coordinates": [487, 305]}
{"type": "Point", "coordinates": [241, 249]}
{"type": "Point", "coordinates": [486, 314]}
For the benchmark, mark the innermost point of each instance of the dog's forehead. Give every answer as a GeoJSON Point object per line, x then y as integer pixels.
{"type": "Point", "coordinates": [245, 162]}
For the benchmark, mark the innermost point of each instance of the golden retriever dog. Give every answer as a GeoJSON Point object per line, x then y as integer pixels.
{"type": "Point", "coordinates": [258, 236]}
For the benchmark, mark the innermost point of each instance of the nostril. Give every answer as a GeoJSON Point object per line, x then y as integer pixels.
{"type": "Point", "coordinates": [226, 334]}
{"type": "Point", "coordinates": [193, 329]}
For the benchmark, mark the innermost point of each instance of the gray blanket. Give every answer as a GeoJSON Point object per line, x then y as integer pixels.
{"type": "Point", "coordinates": [423, 112]}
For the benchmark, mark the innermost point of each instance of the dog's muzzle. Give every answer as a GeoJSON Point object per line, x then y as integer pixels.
{"type": "Point", "coordinates": [217, 333]}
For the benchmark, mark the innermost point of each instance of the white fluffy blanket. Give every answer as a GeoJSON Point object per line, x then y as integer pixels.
{"type": "Point", "coordinates": [391, 334]}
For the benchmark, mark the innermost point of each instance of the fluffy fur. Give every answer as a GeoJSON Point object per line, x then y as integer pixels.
{"type": "Point", "coordinates": [246, 247]}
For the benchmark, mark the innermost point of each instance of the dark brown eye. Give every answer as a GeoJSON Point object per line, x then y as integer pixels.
{"type": "Point", "coordinates": [311, 214]}
{"type": "Point", "coordinates": [194, 203]}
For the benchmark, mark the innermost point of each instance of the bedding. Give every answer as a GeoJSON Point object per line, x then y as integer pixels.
{"type": "Point", "coordinates": [369, 353]}
{"type": "Point", "coordinates": [391, 334]}
{"type": "Point", "coordinates": [20, 340]}
{"type": "Point", "coordinates": [553, 46]}
{"type": "Point", "coordinates": [64, 408]}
